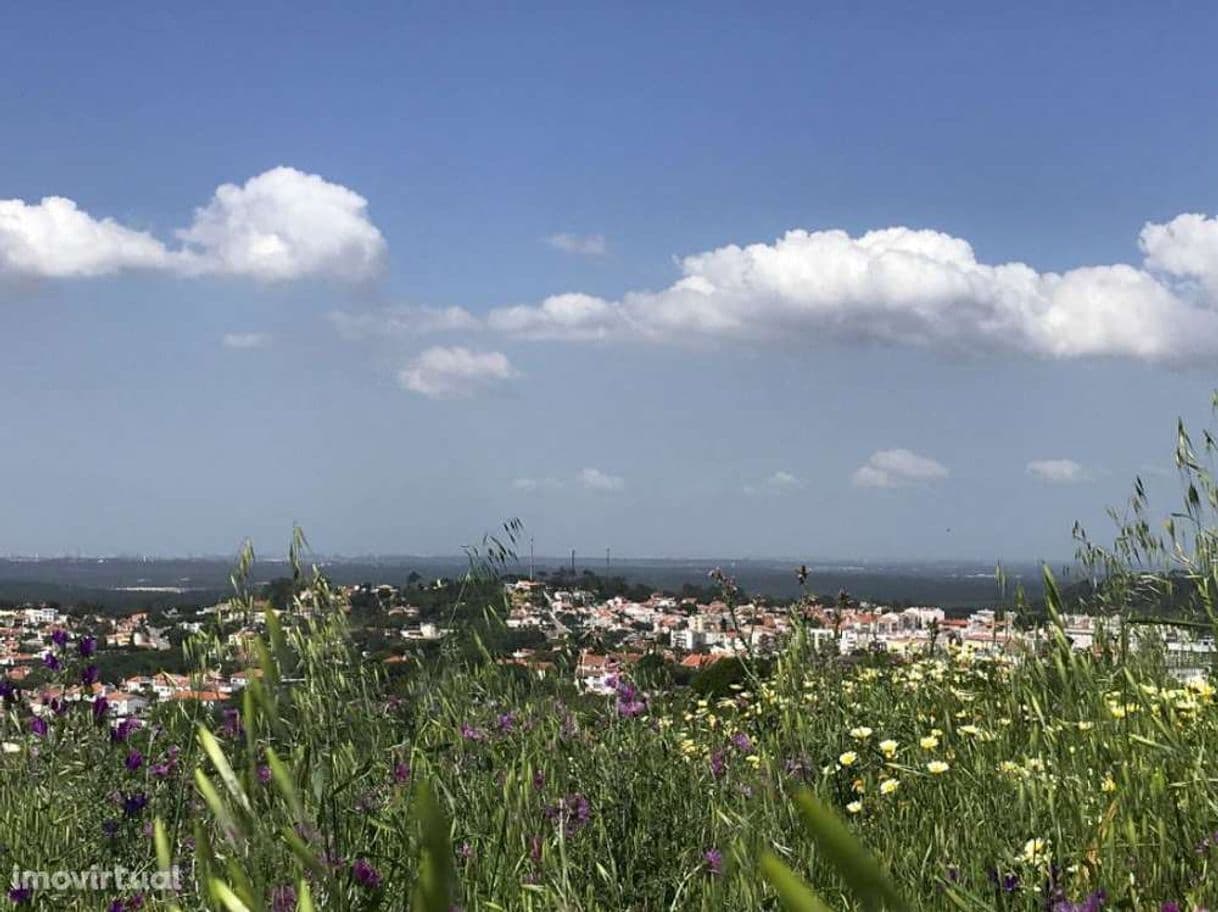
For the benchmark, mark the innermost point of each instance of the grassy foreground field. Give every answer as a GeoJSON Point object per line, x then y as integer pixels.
{"type": "Point", "coordinates": [1065, 781]}
{"type": "Point", "coordinates": [1052, 780]}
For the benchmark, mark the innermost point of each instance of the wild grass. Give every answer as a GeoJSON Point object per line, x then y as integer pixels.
{"type": "Point", "coordinates": [1056, 779]}
{"type": "Point", "coordinates": [975, 783]}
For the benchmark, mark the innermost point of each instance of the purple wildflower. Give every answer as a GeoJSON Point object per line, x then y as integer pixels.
{"type": "Point", "coordinates": [101, 708]}
{"type": "Point", "coordinates": [89, 675]}
{"type": "Point", "coordinates": [20, 895]}
{"type": "Point", "coordinates": [39, 727]}
{"type": "Point", "coordinates": [8, 692]}
{"type": "Point", "coordinates": [365, 874]}
{"type": "Point", "coordinates": [264, 774]}
{"type": "Point", "coordinates": [1007, 883]}
{"type": "Point", "coordinates": [134, 760]}
{"type": "Point", "coordinates": [121, 732]}
{"type": "Point", "coordinates": [58, 706]}
{"type": "Point", "coordinates": [1093, 903]}
{"type": "Point", "coordinates": [506, 722]}
{"type": "Point", "coordinates": [743, 743]}
{"type": "Point", "coordinates": [718, 763]}
{"type": "Point", "coordinates": [630, 702]}
{"type": "Point", "coordinates": [86, 646]}
{"type": "Point", "coordinates": [570, 813]}
{"type": "Point", "coordinates": [51, 661]}
{"type": "Point", "coordinates": [469, 733]}
{"type": "Point", "coordinates": [59, 637]}
{"type": "Point", "coordinates": [283, 898]}
{"type": "Point", "coordinates": [231, 727]}
{"type": "Point", "coordinates": [401, 772]}
{"type": "Point", "coordinates": [134, 803]}
{"type": "Point", "coordinates": [713, 859]}
{"type": "Point", "coordinates": [628, 709]}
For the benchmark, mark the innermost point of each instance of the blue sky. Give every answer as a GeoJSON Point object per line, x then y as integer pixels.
{"type": "Point", "coordinates": [401, 274]}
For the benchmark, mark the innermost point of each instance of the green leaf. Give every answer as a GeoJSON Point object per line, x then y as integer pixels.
{"type": "Point", "coordinates": [304, 854]}
{"type": "Point", "coordinates": [163, 857]}
{"type": "Point", "coordinates": [225, 896]}
{"type": "Point", "coordinates": [862, 874]}
{"type": "Point", "coordinates": [224, 816]}
{"type": "Point", "coordinates": [304, 899]}
{"type": "Point", "coordinates": [434, 889]}
{"type": "Point", "coordinates": [795, 895]}
{"type": "Point", "coordinates": [283, 782]}
{"type": "Point", "coordinates": [212, 748]}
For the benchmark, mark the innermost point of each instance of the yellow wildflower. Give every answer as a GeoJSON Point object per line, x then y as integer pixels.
{"type": "Point", "coordinates": [1036, 851]}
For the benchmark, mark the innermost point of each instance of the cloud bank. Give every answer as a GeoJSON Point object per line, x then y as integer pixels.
{"type": "Point", "coordinates": [1058, 471]}
{"type": "Point", "coordinates": [922, 288]}
{"type": "Point", "coordinates": [455, 373]}
{"type": "Point", "coordinates": [897, 468]}
{"type": "Point", "coordinates": [281, 225]}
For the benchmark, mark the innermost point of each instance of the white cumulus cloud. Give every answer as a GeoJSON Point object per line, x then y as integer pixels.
{"type": "Point", "coordinates": [1186, 247]}
{"type": "Point", "coordinates": [583, 244]}
{"type": "Point", "coordinates": [55, 239]}
{"type": "Point", "coordinates": [574, 317]}
{"type": "Point", "coordinates": [897, 468]}
{"type": "Point", "coordinates": [456, 372]}
{"type": "Point", "coordinates": [246, 340]}
{"type": "Point", "coordinates": [1058, 471]}
{"type": "Point", "coordinates": [285, 224]}
{"type": "Point", "coordinates": [924, 288]}
{"type": "Point", "coordinates": [282, 224]}
{"type": "Point", "coordinates": [596, 480]}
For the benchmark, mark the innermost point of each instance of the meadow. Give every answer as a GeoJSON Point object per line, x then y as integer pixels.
{"type": "Point", "coordinates": [1055, 780]}
{"type": "Point", "coordinates": [1068, 780]}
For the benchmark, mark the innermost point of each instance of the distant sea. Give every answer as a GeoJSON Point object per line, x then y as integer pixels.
{"type": "Point", "coordinates": [132, 582]}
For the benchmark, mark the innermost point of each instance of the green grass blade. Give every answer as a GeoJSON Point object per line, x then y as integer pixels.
{"type": "Point", "coordinates": [434, 889]}
{"type": "Point", "coordinates": [862, 874]}
{"type": "Point", "coordinates": [794, 894]}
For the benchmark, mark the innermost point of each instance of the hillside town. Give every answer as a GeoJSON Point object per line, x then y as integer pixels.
{"type": "Point", "coordinates": [605, 636]}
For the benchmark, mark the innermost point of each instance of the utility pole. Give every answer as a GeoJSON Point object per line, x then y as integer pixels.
{"type": "Point", "coordinates": [573, 562]}
{"type": "Point", "coordinates": [530, 558]}
{"type": "Point", "coordinates": [606, 561]}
